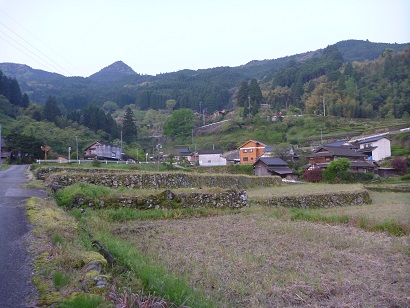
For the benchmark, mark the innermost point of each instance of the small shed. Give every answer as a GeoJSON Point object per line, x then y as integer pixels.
{"type": "Point", "coordinates": [266, 166]}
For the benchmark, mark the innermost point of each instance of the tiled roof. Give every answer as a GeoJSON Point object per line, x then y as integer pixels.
{"type": "Point", "coordinates": [280, 170]}
{"type": "Point", "coordinates": [273, 161]}
{"type": "Point", "coordinates": [205, 152]}
{"type": "Point", "coordinates": [372, 139]}
{"type": "Point", "coordinates": [335, 151]}
{"type": "Point", "coordinates": [256, 141]}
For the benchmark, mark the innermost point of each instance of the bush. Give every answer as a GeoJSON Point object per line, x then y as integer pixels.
{"type": "Point", "coordinates": [405, 177]}
{"type": "Point", "coordinates": [314, 175]}
{"type": "Point", "coordinates": [400, 164]}
{"type": "Point", "coordinates": [96, 163]}
{"type": "Point", "coordinates": [359, 177]}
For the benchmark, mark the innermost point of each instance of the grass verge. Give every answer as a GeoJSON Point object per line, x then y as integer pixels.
{"type": "Point", "coordinates": [156, 279]}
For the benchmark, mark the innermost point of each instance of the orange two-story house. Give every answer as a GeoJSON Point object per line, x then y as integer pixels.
{"type": "Point", "coordinates": [250, 151]}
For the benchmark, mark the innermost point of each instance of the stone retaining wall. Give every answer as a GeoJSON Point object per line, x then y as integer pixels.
{"type": "Point", "coordinates": [166, 200]}
{"type": "Point", "coordinates": [320, 200]}
{"type": "Point", "coordinates": [160, 180]}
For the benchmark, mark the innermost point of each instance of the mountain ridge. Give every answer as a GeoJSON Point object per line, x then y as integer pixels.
{"type": "Point", "coordinates": [118, 81]}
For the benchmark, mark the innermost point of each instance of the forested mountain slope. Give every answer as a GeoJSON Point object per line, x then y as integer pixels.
{"type": "Point", "coordinates": [213, 89]}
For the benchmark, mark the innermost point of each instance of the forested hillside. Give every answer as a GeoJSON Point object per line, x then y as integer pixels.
{"type": "Point", "coordinates": [210, 89]}
{"type": "Point", "coordinates": [146, 110]}
{"type": "Point", "coordinates": [327, 85]}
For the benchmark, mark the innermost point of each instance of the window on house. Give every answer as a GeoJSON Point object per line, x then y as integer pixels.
{"type": "Point", "coordinates": [209, 161]}
{"type": "Point", "coordinates": [250, 150]}
{"type": "Point", "coordinates": [245, 159]}
{"type": "Point", "coordinates": [244, 150]}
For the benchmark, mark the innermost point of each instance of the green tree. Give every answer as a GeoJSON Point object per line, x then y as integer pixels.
{"type": "Point", "coordinates": [129, 129]}
{"type": "Point", "coordinates": [170, 104]}
{"type": "Point", "coordinates": [255, 95]}
{"type": "Point", "coordinates": [337, 171]}
{"type": "Point", "coordinates": [25, 149]}
{"type": "Point", "coordinates": [51, 110]}
{"type": "Point", "coordinates": [243, 92]}
{"type": "Point", "coordinates": [180, 124]}
{"type": "Point", "coordinates": [109, 107]}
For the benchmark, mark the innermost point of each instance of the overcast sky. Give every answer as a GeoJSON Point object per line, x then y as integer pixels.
{"type": "Point", "coordinates": [80, 37]}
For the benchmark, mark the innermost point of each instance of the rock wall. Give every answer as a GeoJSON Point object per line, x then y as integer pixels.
{"type": "Point", "coordinates": [166, 200]}
{"type": "Point", "coordinates": [159, 180]}
{"type": "Point", "coordinates": [320, 200]}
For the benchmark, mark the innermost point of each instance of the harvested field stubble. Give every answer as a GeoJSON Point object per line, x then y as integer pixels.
{"type": "Point", "coordinates": [256, 261]}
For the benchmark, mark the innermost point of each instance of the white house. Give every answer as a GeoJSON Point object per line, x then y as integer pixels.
{"type": "Point", "coordinates": [102, 151]}
{"type": "Point", "coordinates": [211, 158]}
{"type": "Point", "coordinates": [376, 148]}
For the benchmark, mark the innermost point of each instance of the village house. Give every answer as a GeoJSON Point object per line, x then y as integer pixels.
{"type": "Point", "coordinates": [211, 158]}
{"type": "Point", "coordinates": [232, 157]}
{"type": "Point", "coordinates": [267, 166]}
{"type": "Point", "coordinates": [376, 148]}
{"type": "Point", "coordinates": [101, 151]}
{"type": "Point", "coordinates": [324, 155]}
{"type": "Point", "coordinates": [250, 151]}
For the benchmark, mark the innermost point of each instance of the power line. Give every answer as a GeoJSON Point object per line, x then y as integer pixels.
{"type": "Point", "coordinates": [22, 51]}
{"type": "Point", "coordinates": [42, 42]}
{"type": "Point", "coordinates": [36, 49]}
{"type": "Point", "coordinates": [44, 64]}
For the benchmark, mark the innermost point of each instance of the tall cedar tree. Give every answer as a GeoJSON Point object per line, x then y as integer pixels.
{"type": "Point", "coordinates": [255, 95]}
{"type": "Point", "coordinates": [51, 110]}
{"type": "Point", "coordinates": [242, 96]}
{"type": "Point", "coordinates": [10, 88]}
{"type": "Point", "coordinates": [250, 97]}
{"type": "Point", "coordinates": [129, 129]}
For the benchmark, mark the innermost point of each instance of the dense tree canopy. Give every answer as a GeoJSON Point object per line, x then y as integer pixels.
{"type": "Point", "coordinates": [180, 124]}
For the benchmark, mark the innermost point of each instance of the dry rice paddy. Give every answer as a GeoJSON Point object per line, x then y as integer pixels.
{"type": "Point", "coordinates": [252, 259]}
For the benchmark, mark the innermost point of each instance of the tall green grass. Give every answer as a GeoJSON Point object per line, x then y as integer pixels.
{"type": "Point", "coordinates": [124, 214]}
{"type": "Point", "coordinates": [156, 279]}
{"type": "Point", "coordinates": [66, 196]}
{"type": "Point", "coordinates": [82, 301]}
{"type": "Point", "coordinates": [390, 226]}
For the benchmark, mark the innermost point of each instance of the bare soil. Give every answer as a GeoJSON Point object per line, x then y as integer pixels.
{"type": "Point", "coordinates": [252, 259]}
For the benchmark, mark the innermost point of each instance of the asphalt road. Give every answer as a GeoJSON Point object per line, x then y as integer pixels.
{"type": "Point", "coordinates": [16, 288]}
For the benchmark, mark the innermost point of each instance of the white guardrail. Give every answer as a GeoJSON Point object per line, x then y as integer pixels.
{"type": "Point", "coordinates": [82, 161]}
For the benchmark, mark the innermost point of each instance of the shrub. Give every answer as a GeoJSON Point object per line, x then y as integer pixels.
{"type": "Point", "coordinates": [405, 177]}
{"type": "Point", "coordinates": [96, 163]}
{"type": "Point", "coordinates": [360, 177]}
{"type": "Point", "coordinates": [400, 164]}
{"type": "Point", "coordinates": [337, 171]}
{"type": "Point", "coordinates": [314, 175]}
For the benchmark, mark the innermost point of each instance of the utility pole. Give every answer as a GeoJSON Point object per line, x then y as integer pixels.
{"type": "Point", "coordinates": [249, 103]}
{"type": "Point", "coordinates": [324, 107]}
{"type": "Point", "coordinates": [321, 137]}
{"type": "Point", "coordinates": [76, 144]}
{"type": "Point", "coordinates": [1, 166]}
{"type": "Point", "coordinates": [121, 147]}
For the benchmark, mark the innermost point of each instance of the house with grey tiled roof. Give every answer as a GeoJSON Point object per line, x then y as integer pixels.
{"type": "Point", "coordinates": [267, 166]}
